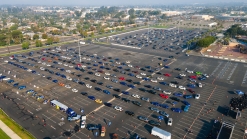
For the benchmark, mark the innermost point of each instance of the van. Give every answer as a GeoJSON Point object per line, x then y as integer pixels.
{"type": "Point", "coordinates": [102, 132]}
{"type": "Point", "coordinates": [169, 122]}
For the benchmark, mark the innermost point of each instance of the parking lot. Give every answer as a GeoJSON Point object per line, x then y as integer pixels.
{"type": "Point", "coordinates": [38, 117]}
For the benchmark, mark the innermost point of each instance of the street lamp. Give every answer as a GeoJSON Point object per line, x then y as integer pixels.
{"type": "Point", "coordinates": [79, 50]}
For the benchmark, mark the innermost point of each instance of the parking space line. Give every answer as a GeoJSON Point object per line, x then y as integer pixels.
{"type": "Point", "coordinates": [48, 118]}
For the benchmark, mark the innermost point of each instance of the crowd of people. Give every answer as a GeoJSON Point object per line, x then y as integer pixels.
{"type": "Point", "coordinates": [239, 103]}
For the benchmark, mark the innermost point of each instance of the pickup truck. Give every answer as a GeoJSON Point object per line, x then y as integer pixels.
{"type": "Point", "coordinates": [103, 130]}
{"type": "Point", "coordinates": [77, 117]}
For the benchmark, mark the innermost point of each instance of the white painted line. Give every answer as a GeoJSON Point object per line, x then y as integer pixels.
{"type": "Point", "coordinates": [237, 60]}
{"type": "Point", "coordinates": [210, 56]}
{"type": "Point", "coordinates": [221, 57]}
{"type": "Point", "coordinates": [215, 56]}
{"type": "Point", "coordinates": [225, 58]}
{"type": "Point", "coordinates": [232, 59]}
{"type": "Point", "coordinates": [206, 55]}
{"type": "Point", "coordinates": [242, 60]}
{"type": "Point", "coordinates": [125, 46]}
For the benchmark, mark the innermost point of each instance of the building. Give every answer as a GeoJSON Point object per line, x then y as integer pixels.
{"type": "Point", "coordinates": [202, 17]}
{"type": "Point", "coordinates": [237, 12]}
{"type": "Point", "coordinates": [212, 24]}
{"type": "Point", "coordinates": [171, 13]}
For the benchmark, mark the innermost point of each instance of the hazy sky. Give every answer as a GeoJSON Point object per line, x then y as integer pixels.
{"type": "Point", "coordinates": [111, 2]}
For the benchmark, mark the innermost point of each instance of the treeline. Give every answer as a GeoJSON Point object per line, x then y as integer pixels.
{"type": "Point", "coordinates": [205, 42]}
{"type": "Point", "coordinates": [235, 30]}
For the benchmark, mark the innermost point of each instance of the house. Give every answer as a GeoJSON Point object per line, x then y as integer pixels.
{"type": "Point", "coordinates": [212, 24]}
{"type": "Point", "coordinates": [202, 17]}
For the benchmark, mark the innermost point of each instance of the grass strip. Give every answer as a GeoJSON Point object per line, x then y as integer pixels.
{"type": "Point", "coordinates": [3, 135]}
{"type": "Point", "coordinates": [19, 130]}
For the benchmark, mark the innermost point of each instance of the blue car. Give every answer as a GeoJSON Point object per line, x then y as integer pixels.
{"type": "Point", "coordinates": [100, 63]}
{"type": "Point", "coordinates": [176, 110]}
{"type": "Point", "coordinates": [95, 65]}
{"type": "Point", "coordinates": [10, 81]}
{"type": "Point", "coordinates": [167, 67]}
{"type": "Point", "coordinates": [109, 86]}
{"type": "Point", "coordinates": [131, 74]}
{"type": "Point", "coordinates": [106, 91]}
{"type": "Point", "coordinates": [55, 81]}
{"type": "Point", "coordinates": [164, 106]}
{"type": "Point", "coordinates": [33, 71]}
{"type": "Point", "coordinates": [125, 92]}
{"type": "Point", "coordinates": [191, 85]}
{"type": "Point", "coordinates": [148, 67]}
{"type": "Point", "coordinates": [77, 68]}
{"type": "Point", "coordinates": [165, 60]}
{"type": "Point", "coordinates": [91, 97]}
{"type": "Point", "coordinates": [188, 96]}
{"type": "Point", "coordinates": [62, 69]}
{"type": "Point", "coordinates": [178, 94]}
{"type": "Point", "coordinates": [16, 84]}
{"type": "Point", "coordinates": [1, 77]}
{"type": "Point", "coordinates": [123, 83]}
{"type": "Point", "coordinates": [63, 76]}
{"type": "Point", "coordinates": [21, 87]}
{"type": "Point", "coordinates": [202, 78]}
{"type": "Point", "coordinates": [131, 86]}
{"type": "Point", "coordinates": [58, 74]}
{"type": "Point", "coordinates": [186, 103]}
{"type": "Point", "coordinates": [163, 83]}
{"type": "Point", "coordinates": [155, 103]}
{"type": "Point", "coordinates": [102, 67]}
{"type": "Point", "coordinates": [186, 108]}
{"type": "Point", "coordinates": [146, 79]}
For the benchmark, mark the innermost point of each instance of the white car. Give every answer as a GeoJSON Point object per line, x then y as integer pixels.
{"type": "Point", "coordinates": [107, 78]}
{"type": "Point", "coordinates": [205, 75]}
{"type": "Point", "coordinates": [7, 78]}
{"type": "Point", "coordinates": [84, 58]}
{"type": "Point", "coordinates": [43, 75]}
{"type": "Point", "coordinates": [127, 61]}
{"type": "Point", "coordinates": [88, 86]}
{"type": "Point", "coordinates": [167, 92]}
{"type": "Point", "coordinates": [67, 86]}
{"type": "Point", "coordinates": [6, 61]}
{"type": "Point", "coordinates": [10, 57]}
{"type": "Point", "coordinates": [153, 80]}
{"type": "Point", "coordinates": [181, 87]}
{"type": "Point", "coordinates": [138, 76]}
{"type": "Point", "coordinates": [83, 66]}
{"type": "Point", "coordinates": [43, 63]}
{"type": "Point", "coordinates": [143, 73]}
{"type": "Point", "coordinates": [130, 66]}
{"type": "Point", "coordinates": [118, 108]}
{"type": "Point", "coordinates": [71, 66]}
{"type": "Point", "coordinates": [107, 73]}
{"type": "Point", "coordinates": [29, 70]}
{"type": "Point", "coordinates": [181, 74]}
{"type": "Point", "coordinates": [65, 65]}
{"type": "Point", "coordinates": [48, 65]}
{"type": "Point", "coordinates": [74, 90]}
{"type": "Point", "coordinates": [89, 59]}
{"type": "Point", "coordinates": [197, 96]}
{"type": "Point", "coordinates": [160, 78]}
{"type": "Point", "coordinates": [169, 122]}
{"type": "Point", "coordinates": [172, 85]}
{"type": "Point", "coordinates": [97, 74]}
{"type": "Point", "coordinates": [41, 68]}
{"type": "Point", "coordinates": [68, 78]}
{"type": "Point", "coordinates": [118, 62]}
{"type": "Point", "coordinates": [135, 96]}
{"type": "Point", "coordinates": [60, 63]}
{"type": "Point", "coordinates": [200, 85]}
{"type": "Point", "coordinates": [190, 71]}
{"type": "Point", "coordinates": [39, 62]}
{"type": "Point", "coordinates": [69, 71]}
{"type": "Point", "coordinates": [83, 124]}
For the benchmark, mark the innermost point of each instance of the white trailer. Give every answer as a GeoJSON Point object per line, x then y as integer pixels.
{"type": "Point", "coordinates": [162, 134]}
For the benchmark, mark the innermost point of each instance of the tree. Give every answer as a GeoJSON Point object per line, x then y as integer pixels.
{"type": "Point", "coordinates": [35, 36]}
{"type": "Point", "coordinates": [131, 11]}
{"type": "Point", "coordinates": [163, 16]}
{"type": "Point", "coordinates": [49, 40]}
{"type": "Point", "coordinates": [25, 45]}
{"type": "Point", "coordinates": [92, 34]}
{"type": "Point", "coordinates": [56, 40]}
{"type": "Point", "coordinates": [44, 36]}
{"type": "Point", "coordinates": [38, 43]}
{"type": "Point", "coordinates": [14, 27]}
{"type": "Point", "coordinates": [78, 13]}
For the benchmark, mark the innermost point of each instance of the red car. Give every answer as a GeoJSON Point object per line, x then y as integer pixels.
{"type": "Point", "coordinates": [101, 71]}
{"type": "Point", "coordinates": [164, 96]}
{"type": "Point", "coordinates": [137, 67]}
{"type": "Point", "coordinates": [78, 65]}
{"type": "Point", "coordinates": [121, 78]}
{"type": "Point", "coordinates": [167, 74]}
{"type": "Point", "coordinates": [43, 58]}
{"type": "Point", "coordinates": [135, 71]}
{"type": "Point", "coordinates": [193, 77]}
{"type": "Point", "coordinates": [191, 91]}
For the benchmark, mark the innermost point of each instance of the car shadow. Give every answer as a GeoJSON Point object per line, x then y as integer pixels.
{"type": "Point", "coordinates": [231, 92]}
{"type": "Point", "coordinates": [148, 128]}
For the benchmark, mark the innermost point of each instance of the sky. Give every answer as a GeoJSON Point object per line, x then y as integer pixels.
{"type": "Point", "coordinates": [111, 2]}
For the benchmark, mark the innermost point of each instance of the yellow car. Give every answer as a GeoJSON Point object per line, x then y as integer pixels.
{"type": "Point", "coordinates": [98, 101]}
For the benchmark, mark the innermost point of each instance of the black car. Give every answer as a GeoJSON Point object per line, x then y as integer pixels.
{"type": "Point", "coordinates": [148, 86]}
{"type": "Point", "coordinates": [126, 100]}
{"type": "Point", "coordinates": [171, 56]}
{"type": "Point", "coordinates": [143, 69]}
{"type": "Point", "coordinates": [82, 70]}
{"type": "Point", "coordinates": [179, 77]}
{"type": "Point", "coordinates": [151, 91]}
{"type": "Point", "coordinates": [49, 78]}
{"type": "Point", "coordinates": [130, 113]}
{"type": "Point", "coordinates": [155, 123]}
{"type": "Point", "coordinates": [98, 89]}
{"type": "Point", "coordinates": [90, 72]}
{"type": "Point", "coordinates": [137, 103]}
{"type": "Point", "coordinates": [127, 69]}
{"type": "Point", "coordinates": [73, 73]}
{"type": "Point", "coordinates": [116, 96]}
{"type": "Point", "coordinates": [175, 98]}
{"type": "Point", "coordinates": [142, 89]}
{"type": "Point", "coordinates": [94, 81]}
{"type": "Point", "coordinates": [108, 68]}
{"type": "Point", "coordinates": [86, 78]}
{"type": "Point", "coordinates": [116, 70]}
{"type": "Point", "coordinates": [108, 104]}
{"type": "Point", "coordinates": [178, 69]}
{"type": "Point", "coordinates": [117, 89]}
{"type": "Point", "coordinates": [81, 83]}
{"type": "Point", "coordinates": [100, 83]}
{"type": "Point", "coordinates": [174, 82]}
{"type": "Point", "coordinates": [128, 80]}
{"type": "Point", "coordinates": [158, 73]}
{"type": "Point", "coordinates": [79, 75]}
{"type": "Point", "coordinates": [138, 83]}
{"type": "Point", "coordinates": [84, 93]}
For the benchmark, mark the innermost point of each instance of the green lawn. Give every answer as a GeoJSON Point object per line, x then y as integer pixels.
{"type": "Point", "coordinates": [157, 26]}
{"type": "Point", "coordinates": [3, 135]}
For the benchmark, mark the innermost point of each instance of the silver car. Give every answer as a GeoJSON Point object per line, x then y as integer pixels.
{"type": "Point", "coordinates": [145, 99]}
{"type": "Point", "coordinates": [154, 109]}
